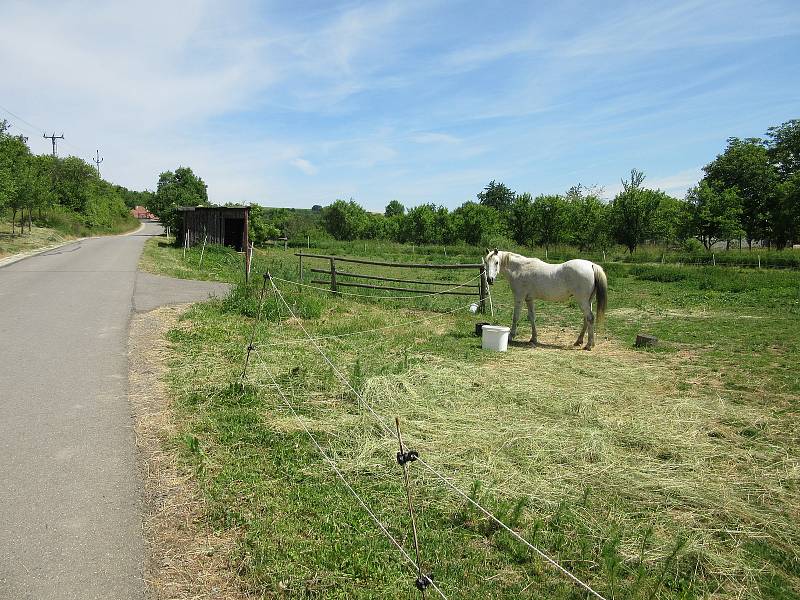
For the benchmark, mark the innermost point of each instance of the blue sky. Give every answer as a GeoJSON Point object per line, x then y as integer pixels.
{"type": "Point", "coordinates": [294, 104]}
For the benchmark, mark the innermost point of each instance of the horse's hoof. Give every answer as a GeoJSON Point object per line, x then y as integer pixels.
{"type": "Point", "coordinates": [578, 343]}
{"type": "Point", "coordinates": [533, 343]}
{"type": "Point", "coordinates": [587, 347]}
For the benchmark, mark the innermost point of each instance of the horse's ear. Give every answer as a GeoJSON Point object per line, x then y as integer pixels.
{"type": "Point", "coordinates": [496, 251]}
{"type": "Point", "coordinates": [488, 251]}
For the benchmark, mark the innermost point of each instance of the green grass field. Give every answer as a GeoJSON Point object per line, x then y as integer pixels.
{"type": "Point", "coordinates": [665, 473]}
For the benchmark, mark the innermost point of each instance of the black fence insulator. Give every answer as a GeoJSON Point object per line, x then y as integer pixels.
{"type": "Point", "coordinates": [267, 276]}
{"type": "Point", "coordinates": [407, 457]}
{"type": "Point", "coordinates": [423, 582]}
{"type": "Point", "coordinates": [250, 348]}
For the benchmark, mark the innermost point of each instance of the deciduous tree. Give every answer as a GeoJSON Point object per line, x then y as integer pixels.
{"type": "Point", "coordinates": [497, 196]}
{"type": "Point", "coordinates": [714, 214]}
{"type": "Point", "coordinates": [633, 212]}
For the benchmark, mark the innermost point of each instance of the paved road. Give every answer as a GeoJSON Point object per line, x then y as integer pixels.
{"type": "Point", "coordinates": [70, 518]}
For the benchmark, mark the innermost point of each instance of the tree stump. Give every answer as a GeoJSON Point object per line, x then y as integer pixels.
{"type": "Point", "coordinates": [643, 340]}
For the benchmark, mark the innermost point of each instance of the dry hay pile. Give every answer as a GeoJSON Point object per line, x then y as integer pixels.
{"type": "Point", "coordinates": [551, 423]}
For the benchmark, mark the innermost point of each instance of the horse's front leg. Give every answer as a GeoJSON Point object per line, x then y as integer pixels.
{"type": "Point", "coordinates": [532, 318]}
{"type": "Point", "coordinates": [517, 308]}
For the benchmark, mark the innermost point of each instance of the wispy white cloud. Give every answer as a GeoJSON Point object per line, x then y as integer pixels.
{"type": "Point", "coordinates": [427, 137]}
{"type": "Point", "coordinates": [679, 183]}
{"type": "Point", "coordinates": [304, 165]}
{"type": "Point", "coordinates": [414, 100]}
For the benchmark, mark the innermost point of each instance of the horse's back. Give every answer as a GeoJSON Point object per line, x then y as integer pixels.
{"type": "Point", "coordinates": [578, 275]}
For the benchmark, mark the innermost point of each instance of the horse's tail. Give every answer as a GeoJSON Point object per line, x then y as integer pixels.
{"type": "Point", "coordinates": [601, 289]}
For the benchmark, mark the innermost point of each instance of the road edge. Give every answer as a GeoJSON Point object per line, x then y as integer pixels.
{"type": "Point", "coordinates": [185, 558]}
{"type": "Point", "coordinates": [15, 258]}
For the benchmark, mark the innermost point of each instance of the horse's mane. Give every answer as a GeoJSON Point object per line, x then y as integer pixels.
{"type": "Point", "coordinates": [507, 256]}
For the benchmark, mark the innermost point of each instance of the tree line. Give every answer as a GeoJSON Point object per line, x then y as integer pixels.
{"type": "Point", "coordinates": [750, 191]}
{"type": "Point", "coordinates": [66, 192]}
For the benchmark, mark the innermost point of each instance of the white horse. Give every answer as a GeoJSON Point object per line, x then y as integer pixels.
{"type": "Point", "coordinates": [531, 278]}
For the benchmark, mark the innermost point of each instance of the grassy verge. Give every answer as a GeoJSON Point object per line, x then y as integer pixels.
{"type": "Point", "coordinates": [670, 473]}
{"type": "Point", "coordinates": [39, 237]}
{"type": "Point", "coordinates": [53, 230]}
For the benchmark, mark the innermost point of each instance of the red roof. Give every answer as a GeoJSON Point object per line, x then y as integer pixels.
{"type": "Point", "coordinates": [140, 212]}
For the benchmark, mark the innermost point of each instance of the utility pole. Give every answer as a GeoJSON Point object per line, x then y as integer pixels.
{"type": "Point", "coordinates": [97, 162]}
{"type": "Point", "coordinates": [53, 139]}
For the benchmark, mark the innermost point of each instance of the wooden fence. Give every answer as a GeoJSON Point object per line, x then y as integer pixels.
{"type": "Point", "coordinates": [480, 289]}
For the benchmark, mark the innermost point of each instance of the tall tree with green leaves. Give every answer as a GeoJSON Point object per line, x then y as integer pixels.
{"type": "Point", "coordinates": [394, 209]}
{"type": "Point", "coordinates": [345, 220]}
{"type": "Point", "coordinates": [549, 215]}
{"type": "Point", "coordinates": [521, 220]}
{"type": "Point", "coordinates": [419, 225]}
{"type": "Point", "coordinates": [177, 188]}
{"type": "Point", "coordinates": [786, 211]}
{"type": "Point", "coordinates": [633, 212]}
{"type": "Point", "coordinates": [783, 147]}
{"type": "Point", "coordinates": [497, 196]}
{"type": "Point", "coordinates": [714, 214]}
{"type": "Point", "coordinates": [586, 222]}
{"type": "Point", "coordinates": [745, 165]}
{"type": "Point", "coordinates": [15, 158]}
{"type": "Point", "coordinates": [6, 176]}
{"type": "Point", "coordinates": [477, 222]}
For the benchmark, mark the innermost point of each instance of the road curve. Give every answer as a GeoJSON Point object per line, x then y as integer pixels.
{"type": "Point", "coordinates": [70, 514]}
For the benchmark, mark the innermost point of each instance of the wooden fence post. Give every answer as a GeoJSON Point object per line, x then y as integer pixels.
{"type": "Point", "coordinates": [333, 275]}
{"type": "Point", "coordinates": [301, 266]}
{"type": "Point", "coordinates": [482, 291]}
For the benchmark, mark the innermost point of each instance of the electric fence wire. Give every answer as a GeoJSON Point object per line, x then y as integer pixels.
{"type": "Point", "coordinates": [410, 562]}
{"type": "Point", "coordinates": [365, 331]}
{"type": "Point", "coordinates": [434, 471]}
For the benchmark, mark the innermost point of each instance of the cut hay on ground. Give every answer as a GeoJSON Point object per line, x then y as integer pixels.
{"type": "Point", "coordinates": [187, 560]}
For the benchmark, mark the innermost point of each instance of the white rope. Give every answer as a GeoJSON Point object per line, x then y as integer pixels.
{"type": "Point", "coordinates": [344, 379]}
{"type": "Point", "coordinates": [363, 331]}
{"type": "Point", "coordinates": [415, 568]}
{"type": "Point", "coordinates": [444, 479]}
{"type": "Point", "coordinates": [541, 554]}
{"type": "Point", "coordinates": [374, 296]}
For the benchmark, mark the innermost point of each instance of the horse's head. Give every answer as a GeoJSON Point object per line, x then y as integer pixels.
{"type": "Point", "coordinates": [492, 263]}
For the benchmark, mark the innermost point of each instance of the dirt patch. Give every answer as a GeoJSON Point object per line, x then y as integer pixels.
{"type": "Point", "coordinates": [186, 559]}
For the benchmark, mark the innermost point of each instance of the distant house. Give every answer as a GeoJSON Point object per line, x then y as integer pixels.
{"type": "Point", "coordinates": [228, 226]}
{"type": "Point", "coordinates": [140, 212]}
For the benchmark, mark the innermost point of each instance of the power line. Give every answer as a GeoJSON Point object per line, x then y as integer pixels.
{"type": "Point", "coordinates": [36, 128]}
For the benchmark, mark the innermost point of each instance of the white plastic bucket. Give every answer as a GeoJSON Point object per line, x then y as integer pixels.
{"type": "Point", "coordinates": [495, 337]}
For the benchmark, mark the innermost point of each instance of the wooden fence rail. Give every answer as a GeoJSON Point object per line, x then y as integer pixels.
{"type": "Point", "coordinates": [480, 289]}
{"type": "Point", "coordinates": [419, 281]}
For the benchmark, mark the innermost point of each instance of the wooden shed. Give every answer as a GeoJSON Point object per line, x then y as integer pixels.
{"type": "Point", "coordinates": [223, 225]}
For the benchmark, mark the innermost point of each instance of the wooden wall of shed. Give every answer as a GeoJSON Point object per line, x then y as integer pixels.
{"type": "Point", "coordinates": [201, 222]}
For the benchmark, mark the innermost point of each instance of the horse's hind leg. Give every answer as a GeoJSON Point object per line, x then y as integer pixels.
{"type": "Point", "coordinates": [588, 322]}
{"type": "Point", "coordinates": [579, 341]}
{"type": "Point", "coordinates": [517, 308]}
{"type": "Point", "coordinates": [532, 318]}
